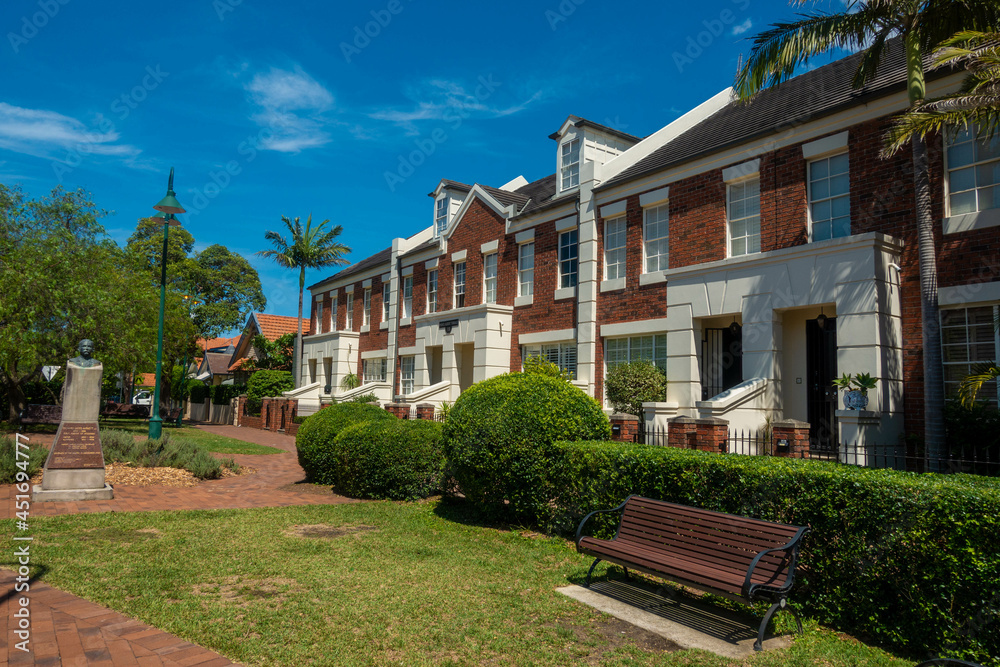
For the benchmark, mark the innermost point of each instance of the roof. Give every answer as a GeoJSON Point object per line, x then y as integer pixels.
{"type": "Point", "coordinates": [273, 327]}
{"type": "Point", "coordinates": [583, 122]}
{"type": "Point", "coordinates": [217, 343]}
{"type": "Point", "coordinates": [381, 257]}
{"type": "Point", "coordinates": [146, 380]}
{"type": "Point", "coordinates": [454, 185]}
{"type": "Point", "coordinates": [218, 362]}
{"type": "Point", "coordinates": [821, 92]}
{"type": "Point", "coordinates": [429, 243]}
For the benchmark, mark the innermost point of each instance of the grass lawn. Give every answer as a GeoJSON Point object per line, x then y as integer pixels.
{"type": "Point", "coordinates": [416, 583]}
{"type": "Point", "coordinates": [219, 444]}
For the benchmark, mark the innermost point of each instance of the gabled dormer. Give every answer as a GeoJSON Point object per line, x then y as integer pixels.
{"type": "Point", "coordinates": [580, 140]}
{"type": "Point", "coordinates": [448, 197]}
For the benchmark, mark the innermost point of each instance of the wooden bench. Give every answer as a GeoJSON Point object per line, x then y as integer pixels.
{"type": "Point", "coordinates": [112, 410]}
{"type": "Point", "coordinates": [41, 414]}
{"type": "Point", "coordinates": [731, 556]}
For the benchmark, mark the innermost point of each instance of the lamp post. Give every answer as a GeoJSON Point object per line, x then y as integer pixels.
{"type": "Point", "coordinates": [192, 300]}
{"type": "Point", "coordinates": [168, 208]}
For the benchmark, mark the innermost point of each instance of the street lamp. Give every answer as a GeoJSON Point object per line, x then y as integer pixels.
{"type": "Point", "coordinates": [191, 300]}
{"type": "Point", "coordinates": [168, 208]}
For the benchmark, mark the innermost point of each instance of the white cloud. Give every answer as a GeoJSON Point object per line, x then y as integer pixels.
{"type": "Point", "coordinates": [290, 106]}
{"type": "Point", "coordinates": [47, 134]}
{"type": "Point", "coordinates": [741, 28]}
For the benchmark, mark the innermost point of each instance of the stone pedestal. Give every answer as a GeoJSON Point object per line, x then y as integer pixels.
{"type": "Point", "coordinates": [624, 428]}
{"type": "Point", "coordinates": [858, 430]}
{"type": "Point", "coordinates": [74, 469]}
{"type": "Point", "coordinates": [708, 435]}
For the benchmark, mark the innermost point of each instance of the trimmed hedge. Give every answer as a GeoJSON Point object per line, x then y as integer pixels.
{"type": "Point", "coordinates": [199, 392]}
{"type": "Point", "coordinates": [314, 441]}
{"type": "Point", "coordinates": [907, 559]}
{"type": "Point", "coordinates": [499, 439]}
{"type": "Point", "coordinates": [389, 460]}
{"type": "Point", "coordinates": [223, 394]}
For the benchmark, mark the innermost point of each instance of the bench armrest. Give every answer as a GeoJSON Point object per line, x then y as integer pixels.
{"type": "Point", "coordinates": [579, 530]}
{"type": "Point", "coordinates": [793, 546]}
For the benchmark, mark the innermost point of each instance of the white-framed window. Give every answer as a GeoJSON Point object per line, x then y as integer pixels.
{"type": "Point", "coordinates": [350, 311]}
{"type": "Point", "coordinates": [561, 354]}
{"type": "Point", "coordinates": [374, 370]}
{"type": "Point", "coordinates": [969, 338]}
{"type": "Point", "coordinates": [743, 211]}
{"type": "Point", "coordinates": [333, 314]}
{"type": "Point", "coordinates": [829, 197]}
{"type": "Point", "coordinates": [569, 258]}
{"type": "Point", "coordinates": [614, 248]}
{"type": "Point", "coordinates": [441, 215]}
{"type": "Point", "coordinates": [432, 291]}
{"type": "Point", "coordinates": [366, 315]}
{"type": "Point", "coordinates": [652, 347]}
{"type": "Point", "coordinates": [386, 301]}
{"type": "Point", "coordinates": [569, 164]}
{"type": "Point", "coordinates": [656, 237]}
{"type": "Point", "coordinates": [460, 285]}
{"type": "Point", "coordinates": [973, 172]}
{"type": "Point", "coordinates": [318, 320]}
{"type": "Point", "coordinates": [490, 278]}
{"type": "Point", "coordinates": [407, 297]}
{"type": "Point", "coordinates": [525, 269]}
{"type": "Point", "coordinates": [406, 374]}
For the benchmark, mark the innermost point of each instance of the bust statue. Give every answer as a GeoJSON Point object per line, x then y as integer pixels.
{"type": "Point", "coordinates": [86, 358]}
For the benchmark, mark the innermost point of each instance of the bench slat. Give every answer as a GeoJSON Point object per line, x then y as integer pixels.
{"type": "Point", "coordinates": [718, 554]}
{"type": "Point", "coordinates": [668, 529]}
{"type": "Point", "coordinates": [713, 519]}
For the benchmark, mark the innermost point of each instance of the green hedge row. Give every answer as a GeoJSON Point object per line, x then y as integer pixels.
{"type": "Point", "coordinates": [314, 441]}
{"type": "Point", "coordinates": [911, 560]}
{"type": "Point", "coordinates": [389, 459]}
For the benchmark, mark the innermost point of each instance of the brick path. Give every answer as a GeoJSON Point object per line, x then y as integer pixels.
{"type": "Point", "coordinates": [67, 630]}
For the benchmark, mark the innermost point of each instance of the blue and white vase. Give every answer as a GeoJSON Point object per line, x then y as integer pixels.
{"type": "Point", "coordinates": [855, 399]}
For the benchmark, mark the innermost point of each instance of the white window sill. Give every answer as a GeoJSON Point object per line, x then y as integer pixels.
{"type": "Point", "coordinates": [523, 300]}
{"type": "Point", "coordinates": [969, 221]}
{"type": "Point", "coordinates": [365, 328]}
{"type": "Point", "coordinates": [565, 293]}
{"type": "Point", "coordinates": [383, 325]}
{"type": "Point", "coordinates": [652, 278]}
{"type": "Point", "coordinates": [613, 285]}
{"type": "Point", "coordinates": [405, 321]}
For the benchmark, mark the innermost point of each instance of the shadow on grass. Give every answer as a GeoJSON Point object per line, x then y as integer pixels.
{"type": "Point", "coordinates": [460, 510]}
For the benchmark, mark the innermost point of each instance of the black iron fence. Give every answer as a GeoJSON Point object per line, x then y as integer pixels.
{"type": "Point", "coordinates": [901, 456]}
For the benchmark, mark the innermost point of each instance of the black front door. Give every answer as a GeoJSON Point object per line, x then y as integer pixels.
{"type": "Point", "coordinates": [721, 360]}
{"type": "Point", "coordinates": [821, 371]}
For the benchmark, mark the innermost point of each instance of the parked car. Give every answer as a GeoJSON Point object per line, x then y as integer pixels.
{"type": "Point", "coordinates": [143, 398]}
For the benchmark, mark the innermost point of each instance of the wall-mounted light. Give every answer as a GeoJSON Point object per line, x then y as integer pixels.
{"type": "Point", "coordinates": [735, 327]}
{"type": "Point", "coordinates": [821, 319]}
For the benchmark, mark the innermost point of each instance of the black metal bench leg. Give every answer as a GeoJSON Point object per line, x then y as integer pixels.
{"type": "Point", "coordinates": [592, 566]}
{"type": "Point", "coordinates": [780, 604]}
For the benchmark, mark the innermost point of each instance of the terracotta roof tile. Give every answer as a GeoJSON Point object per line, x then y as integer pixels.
{"type": "Point", "coordinates": [273, 327]}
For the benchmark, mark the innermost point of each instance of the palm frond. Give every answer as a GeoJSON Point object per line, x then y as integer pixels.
{"type": "Point", "coordinates": [971, 384]}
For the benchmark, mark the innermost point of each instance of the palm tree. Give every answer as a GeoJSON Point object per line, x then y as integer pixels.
{"type": "Point", "coordinates": [311, 248]}
{"type": "Point", "coordinates": [977, 103]}
{"type": "Point", "coordinates": [867, 26]}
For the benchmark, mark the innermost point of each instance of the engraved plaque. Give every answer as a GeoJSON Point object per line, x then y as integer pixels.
{"type": "Point", "coordinates": [77, 445]}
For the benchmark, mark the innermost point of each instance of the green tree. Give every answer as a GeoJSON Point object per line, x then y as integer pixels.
{"type": "Point", "coordinates": [276, 355]}
{"type": "Point", "coordinates": [976, 104]}
{"type": "Point", "coordinates": [867, 26]}
{"type": "Point", "coordinates": [311, 248]}
{"type": "Point", "coordinates": [629, 385]}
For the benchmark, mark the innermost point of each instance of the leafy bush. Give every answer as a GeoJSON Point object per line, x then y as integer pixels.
{"type": "Point", "coordinates": [9, 467]}
{"type": "Point", "coordinates": [389, 459]}
{"type": "Point", "coordinates": [314, 441]}
{"type": "Point", "coordinates": [537, 365]}
{"type": "Point", "coordinates": [269, 383]}
{"type": "Point", "coordinates": [200, 392]}
{"type": "Point", "coordinates": [907, 559]}
{"type": "Point", "coordinates": [222, 394]}
{"type": "Point", "coordinates": [499, 438]}
{"type": "Point", "coordinates": [168, 451]}
{"type": "Point", "coordinates": [972, 431]}
{"type": "Point", "coordinates": [364, 398]}
{"type": "Point", "coordinates": [631, 384]}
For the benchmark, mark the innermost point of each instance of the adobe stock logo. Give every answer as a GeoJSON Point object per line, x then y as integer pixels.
{"type": "Point", "coordinates": [363, 36]}
{"type": "Point", "coordinates": [31, 25]}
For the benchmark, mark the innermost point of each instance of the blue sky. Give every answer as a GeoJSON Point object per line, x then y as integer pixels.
{"type": "Point", "coordinates": [268, 109]}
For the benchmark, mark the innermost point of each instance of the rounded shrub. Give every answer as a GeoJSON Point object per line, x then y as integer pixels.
{"type": "Point", "coordinates": [389, 459]}
{"type": "Point", "coordinates": [314, 441]}
{"type": "Point", "coordinates": [499, 439]}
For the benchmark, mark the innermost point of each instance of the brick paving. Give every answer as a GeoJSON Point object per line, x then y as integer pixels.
{"type": "Point", "coordinates": [67, 630]}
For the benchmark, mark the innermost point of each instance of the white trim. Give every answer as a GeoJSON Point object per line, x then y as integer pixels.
{"type": "Point", "coordinates": [386, 277]}
{"type": "Point", "coordinates": [410, 351]}
{"type": "Point", "coordinates": [459, 256]}
{"type": "Point", "coordinates": [406, 321]}
{"type": "Point", "coordinates": [740, 171]}
{"type": "Point", "coordinates": [835, 143]}
{"type": "Point", "coordinates": [367, 284]}
{"type": "Point", "coordinates": [968, 221]}
{"type": "Point", "coordinates": [541, 337]}
{"type": "Point", "coordinates": [407, 270]}
{"type": "Point", "coordinates": [365, 328]}
{"type": "Point", "coordinates": [490, 246]}
{"type": "Point", "coordinates": [634, 328]}
{"type": "Point", "coordinates": [654, 278]}
{"type": "Point", "coordinates": [562, 224]}
{"type": "Point", "coordinates": [655, 197]}
{"type": "Point", "coordinates": [523, 237]}
{"type": "Point", "coordinates": [350, 289]}
{"type": "Point", "coordinates": [613, 210]}
{"type": "Point", "coordinates": [565, 293]}
{"type": "Point", "coordinates": [523, 300]}
{"type": "Point", "coordinates": [431, 264]}
{"type": "Point", "coordinates": [375, 354]}
{"type": "Point", "coordinates": [613, 285]}
{"type": "Point", "coordinates": [383, 325]}
{"type": "Point", "coordinates": [973, 293]}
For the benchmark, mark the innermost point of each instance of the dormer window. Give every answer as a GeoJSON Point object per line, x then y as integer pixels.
{"type": "Point", "coordinates": [569, 164]}
{"type": "Point", "coordinates": [441, 216]}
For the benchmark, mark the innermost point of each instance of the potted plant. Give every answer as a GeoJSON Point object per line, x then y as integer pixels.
{"type": "Point", "coordinates": [855, 389]}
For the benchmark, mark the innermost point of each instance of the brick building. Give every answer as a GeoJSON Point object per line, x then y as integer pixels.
{"type": "Point", "coordinates": [753, 251]}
